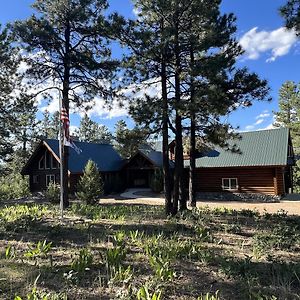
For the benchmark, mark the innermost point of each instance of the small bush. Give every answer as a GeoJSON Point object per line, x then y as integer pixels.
{"type": "Point", "coordinates": [90, 186]}
{"type": "Point", "coordinates": [53, 192]}
{"type": "Point", "coordinates": [14, 186]}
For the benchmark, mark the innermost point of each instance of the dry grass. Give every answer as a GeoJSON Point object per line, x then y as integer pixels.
{"type": "Point", "coordinates": [244, 255]}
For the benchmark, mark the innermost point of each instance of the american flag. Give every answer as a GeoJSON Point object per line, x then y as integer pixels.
{"type": "Point", "coordinates": [64, 116]}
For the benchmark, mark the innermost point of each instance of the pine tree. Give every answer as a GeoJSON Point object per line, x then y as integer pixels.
{"type": "Point", "coordinates": [290, 12]}
{"type": "Point", "coordinates": [189, 47]}
{"type": "Point", "coordinates": [66, 42]}
{"type": "Point", "coordinates": [289, 109]}
{"type": "Point", "coordinates": [90, 187]}
{"type": "Point", "coordinates": [210, 82]}
{"type": "Point", "coordinates": [147, 67]}
{"type": "Point", "coordinates": [127, 140]}
{"type": "Point", "coordinates": [289, 116]}
{"type": "Point", "coordinates": [91, 131]}
{"type": "Point", "coordinates": [9, 82]}
{"type": "Point", "coordinates": [26, 130]}
{"type": "Point", "coordinates": [50, 125]}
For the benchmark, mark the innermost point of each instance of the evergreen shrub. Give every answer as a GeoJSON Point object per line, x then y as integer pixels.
{"type": "Point", "coordinates": [53, 192]}
{"type": "Point", "coordinates": [90, 186]}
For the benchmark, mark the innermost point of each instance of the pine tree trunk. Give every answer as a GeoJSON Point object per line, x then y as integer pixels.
{"type": "Point", "coordinates": [66, 104]}
{"type": "Point", "coordinates": [179, 182]}
{"type": "Point", "coordinates": [166, 165]}
{"type": "Point", "coordinates": [192, 198]}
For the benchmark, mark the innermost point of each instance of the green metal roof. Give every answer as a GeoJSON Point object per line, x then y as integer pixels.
{"type": "Point", "coordinates": [257, 148]}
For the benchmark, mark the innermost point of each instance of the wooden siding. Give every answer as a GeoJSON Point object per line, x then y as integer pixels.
{"type": "Point", "coordinates": [279, 185]}
{"type": "Point", "coordinates": [42, 173]}
{"type": "Point", "coordinates": [262, 180]}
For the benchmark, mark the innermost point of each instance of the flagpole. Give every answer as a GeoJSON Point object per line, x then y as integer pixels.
{"type": "Point", "coordinates": [61, 155]}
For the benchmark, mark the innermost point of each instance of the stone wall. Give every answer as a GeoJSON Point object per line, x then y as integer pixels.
{"type": "Point", "coordinates": [243, 197]}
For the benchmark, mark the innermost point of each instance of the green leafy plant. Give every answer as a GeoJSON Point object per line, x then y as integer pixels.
{"type": "Point", "coordinates": [209, 296]}
{"type": "Point", "coordinates": [21, 218]}
{"type": "Point", "coordinates": [162, 268]}
{"type": "Point", "coordinates": [203, 233]}
{"type": "Point", "coordinates": [10, 252]}
{"type": "Point", "coordinates": [41, 248]}
{"type": "Point", "coordinates": [53, 192]}
{"type": "Point", "coordinates": [83, 261]}
{"type": "Point", "coordinates": [144, 294]}
{"type": "Point", "coordinates": [114, 258]}
{"type": "Point", "coordinates": [122, 275]}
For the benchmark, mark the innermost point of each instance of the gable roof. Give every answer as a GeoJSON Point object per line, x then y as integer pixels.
{"type": "Point", "coordinates": [155, 157]}
{"type": "Point", "coordinates": [104, 155]}
{"type": "Point", "coordinates": [257, 148]}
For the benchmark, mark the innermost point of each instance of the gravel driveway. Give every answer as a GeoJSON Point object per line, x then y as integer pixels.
{"type": "Point", "coordinates": [292, 207]}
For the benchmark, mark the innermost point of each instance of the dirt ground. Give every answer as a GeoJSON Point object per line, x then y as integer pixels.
{"type": "Point", "coordinates": [292, 207]}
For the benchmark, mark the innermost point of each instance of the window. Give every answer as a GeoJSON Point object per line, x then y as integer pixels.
{"type": "Point", "coordinates": [229, 184]}
{"type": "Point", "coordinates": [47, 160]}
{"type": "Point", "coordinates": [54, 164]}
{"type": "Point", "coordinates": [35, 179]}
{"type": "Point", "coordinates": [50, 178]}
{"type": "Point", "coordinates": [41, 163]}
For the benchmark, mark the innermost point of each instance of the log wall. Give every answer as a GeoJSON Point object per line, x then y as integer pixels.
{"type": "Point", "coordinates": [263, 180]}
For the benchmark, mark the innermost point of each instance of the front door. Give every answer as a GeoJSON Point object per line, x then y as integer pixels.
{"type": "Point", "coordinates": [139, 178]}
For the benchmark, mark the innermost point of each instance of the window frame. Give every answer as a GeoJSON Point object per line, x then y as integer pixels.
{"type": "Point", "coordinates": [230, 185]}
{"type": "Point", "coordinates": [51, 176]}
{"type": "Point", "coordinates": [50, 161]}
{"type": "Point", "coordinates": [35, 179]}
{"type": "Point", "coordinates": [54, 167]}
{"type": "Point", "coordinates": [42, 160]}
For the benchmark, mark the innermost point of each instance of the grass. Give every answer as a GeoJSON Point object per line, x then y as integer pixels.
{"type": "Point", "coordinates": [134, 252]}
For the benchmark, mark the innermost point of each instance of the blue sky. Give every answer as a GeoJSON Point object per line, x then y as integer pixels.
{"type": "Point", "coordinates": [271, 51]}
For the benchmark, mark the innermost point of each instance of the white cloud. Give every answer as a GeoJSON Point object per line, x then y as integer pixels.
{"type": "Point", "coordinates": [98, 107]}
{"type": "Point", "coordinates": [277, 43]}
{"type": "Point", "coordinates": [103, 110]}
{"type": "Point", "coordinates": [270, 126]}
{"type": "Point", "coordinates": [249, 127]}
{"type": "Point", "coordinates": [259, 122]}
{"type": "Point", "coordinates": [263, 115]}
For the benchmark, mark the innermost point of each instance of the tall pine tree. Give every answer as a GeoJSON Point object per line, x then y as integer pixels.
{"type": "Point", "coordinates": [9, 82]}
{"type": "Point", "coordinates": [148, 38]}
{"type": "Point", "coordinates": [189, 47]}
{"type": "Point", "coordinates": [289, 116]}
{"type": "Point", "coordinates": [91, 131]}
{"type": "Point", "coordinates": [66, 45]}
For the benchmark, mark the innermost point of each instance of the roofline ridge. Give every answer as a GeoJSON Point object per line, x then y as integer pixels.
{"type": "Point", "coordinates": [259, 130]}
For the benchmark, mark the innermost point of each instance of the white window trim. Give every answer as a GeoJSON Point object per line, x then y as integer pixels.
{"type": "Point", "coordinates": [40, 163]}
{"type": "Point", "coordinates": [35, 179]}
{"type": "Point", "coordinates": [50, 176]}
{"type": "Point", "coordinates": [230, 188]}
{"type": "Point", "coordinates": [46, 154]}
{"type": "Point", "coordinates": [52, 160]}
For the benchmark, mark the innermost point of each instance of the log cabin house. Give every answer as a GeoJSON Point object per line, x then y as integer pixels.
{"type": "Point", "coordinates": [263, 165]}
